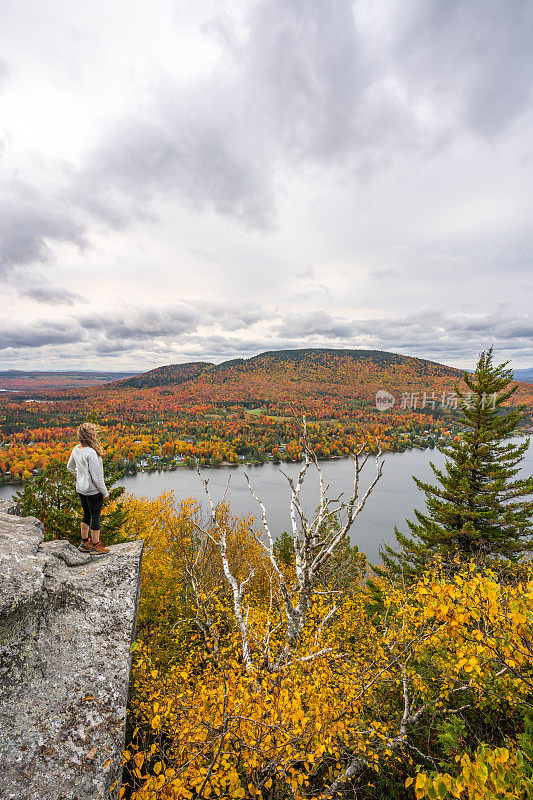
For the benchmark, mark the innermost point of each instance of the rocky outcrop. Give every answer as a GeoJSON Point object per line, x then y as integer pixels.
{"type": "Point", "coordinates": [67, 621]}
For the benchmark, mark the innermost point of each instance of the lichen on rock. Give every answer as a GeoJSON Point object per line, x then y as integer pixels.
{"type": "Point", "coordinates": [67, 621]}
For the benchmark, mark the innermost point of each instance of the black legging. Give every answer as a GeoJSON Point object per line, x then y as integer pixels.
{"type": "Point", "coordinates": [92, 508]}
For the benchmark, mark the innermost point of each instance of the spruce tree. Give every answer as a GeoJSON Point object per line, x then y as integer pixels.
{"type": "Point", "coordinates": [479, 510]}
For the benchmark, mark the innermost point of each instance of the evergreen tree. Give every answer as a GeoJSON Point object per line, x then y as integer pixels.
{"type": "Point", "coordinates": [479, 509]}
{"type": "Point", "coordinates": [52, 498]}
{"type": "Point", "coordinates": [284, 549]}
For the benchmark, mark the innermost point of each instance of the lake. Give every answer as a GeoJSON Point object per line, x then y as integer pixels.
{"type": "Point", "coordinates": [392, 501]}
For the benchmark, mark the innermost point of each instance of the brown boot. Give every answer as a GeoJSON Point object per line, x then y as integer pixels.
{"type": "Point", "coordinates": [86, 546]}
{"type": "Point", "coordinates": [98, 549]}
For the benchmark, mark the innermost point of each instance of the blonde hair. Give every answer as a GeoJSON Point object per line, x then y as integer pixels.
{"type": "Point", "coordinates": [87, 434]}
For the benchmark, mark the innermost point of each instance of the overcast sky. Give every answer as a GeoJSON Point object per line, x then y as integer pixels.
{"type": "Point", "coordinates": [185, 181]}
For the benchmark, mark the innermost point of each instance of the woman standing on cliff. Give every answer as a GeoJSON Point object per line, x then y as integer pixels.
{"type": "Point", "coordinates": [86, 464]}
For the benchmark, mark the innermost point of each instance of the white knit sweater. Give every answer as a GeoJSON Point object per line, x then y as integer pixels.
{"type": "Point", "coordinates": [88, 467]}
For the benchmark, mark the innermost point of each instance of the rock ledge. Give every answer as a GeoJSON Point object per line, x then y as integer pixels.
{"type": "Point", "coordinates": [67, 620]}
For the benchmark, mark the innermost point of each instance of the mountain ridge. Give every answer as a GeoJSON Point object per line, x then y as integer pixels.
{"type": "Point", "coordinates": [175, 374]}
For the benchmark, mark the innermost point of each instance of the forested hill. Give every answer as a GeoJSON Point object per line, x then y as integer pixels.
{"type": "Point", "coordinates": [328, 365]}
{"type": "Point", "coordinates": [171, 374]}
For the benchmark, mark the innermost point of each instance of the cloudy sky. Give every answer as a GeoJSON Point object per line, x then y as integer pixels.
{"type": "Point", "coordinates": [185, 181]}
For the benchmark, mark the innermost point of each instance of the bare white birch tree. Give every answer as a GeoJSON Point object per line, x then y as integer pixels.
{"type": "Point", "coordinates": [314, 541]}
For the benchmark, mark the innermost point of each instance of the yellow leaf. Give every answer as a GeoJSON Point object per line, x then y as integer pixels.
{"type": "Point", "coordinates": [421, 781]}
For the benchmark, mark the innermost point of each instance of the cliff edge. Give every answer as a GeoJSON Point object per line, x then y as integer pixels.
{"type": "Point", "coordinates": [67, 620]}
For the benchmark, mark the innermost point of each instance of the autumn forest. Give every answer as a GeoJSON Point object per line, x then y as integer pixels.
{"type": "Point", "coordinates": [237, 411]}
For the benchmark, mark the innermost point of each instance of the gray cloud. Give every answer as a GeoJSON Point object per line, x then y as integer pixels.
{"type": "Point", "coordinates": [142, 324]}
{"type": "Point", "coordinates": [427, 333]}
{"type": "Point", "coordinates": [50, 295]}
{"type": "Point", "coordinates": [475, 57]}
{"type": "Point", "coordinates": [135, 330]}
{"type": "Point", "coordinates": [221, 348]}
{"type": "Point", "coordinates": [314, 323]}
{"type": "Point", "coordinates": [290, 95]}
{"type": "Point", "coordinates": [229, 317]}
{"type": "Point", "coordinates": [114, 348]}
{"type": "Point", "coordinates": [30, 223]}
{"type": "Point", "coordinates": [191, 149]}
{"type": "Point", "coordinates": [305, 83]}
{"type": "Point", "coordinates": [309, 85]}
{"type": "Point", "coordinates": [142, 338]}
{"type": "Point", "coordinates": [123, 330]}
{"type": "Point", "coordinates": [304, 58]}
{"type": "Point", "coordinates": [174, 331]}
{"type": "Point", "coordinates": [335, 87]}
{"type": "Point", "coordinates": [150, 323]}
{"type": "Point", "coordinates": [39, 333]}
{"type": "Point", "coordinates": [435, 331]}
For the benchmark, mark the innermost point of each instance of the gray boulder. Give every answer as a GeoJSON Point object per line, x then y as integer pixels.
{"type": "Point", "coordinates": [67, 621]}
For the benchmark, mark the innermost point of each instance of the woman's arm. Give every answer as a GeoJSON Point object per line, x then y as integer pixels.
{"type": "Point", "coordinates": [96, 470]}
{"type": "Point", "coordinates": [71, 464]}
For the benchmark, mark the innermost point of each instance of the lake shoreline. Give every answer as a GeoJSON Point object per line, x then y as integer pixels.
{"type": "Point", "coordinates": [268, 460]}
{"type": "Point", "coordinates": [391, 503]}
{"type": "Point", "coordinates": [222, 464]}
